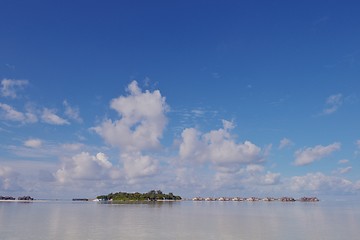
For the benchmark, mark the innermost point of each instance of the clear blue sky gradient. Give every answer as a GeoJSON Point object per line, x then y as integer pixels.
{"type": "Point", "coordinates": [277, 70]}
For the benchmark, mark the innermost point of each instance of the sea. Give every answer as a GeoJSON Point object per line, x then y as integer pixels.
{"type": "Point", "coordinates": [70, 220]}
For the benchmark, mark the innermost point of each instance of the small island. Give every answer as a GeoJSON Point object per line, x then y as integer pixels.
{"type": "Point", "coordinates": [153, 195]}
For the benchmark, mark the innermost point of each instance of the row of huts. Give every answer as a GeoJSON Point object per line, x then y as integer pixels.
{"type": "Point", "coordinates": [253, 199]}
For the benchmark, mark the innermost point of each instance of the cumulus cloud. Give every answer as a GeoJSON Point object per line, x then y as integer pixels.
{"type": "Point", "coordinates": [9, 87]}
{"type": "Point", "coordinates": [309, 155]}
{"type": "Point", "coordinates": [333, 103]}
{"type": "Point", "coordinates": [319, 182]}
{"type": "Point", "coordinates": [137, 165]}
{"type": "Point", "coordinates": [140, 127]}
{"type": "Point", "coordinates": [49, 116]}
{"type": "Point", "coordinates": [218, 147]}
{"type": "Point", "coordinates": [72, 112]}
{"type": "Point", "coordinates": [270, 178]}
{"type": "Point", "coordinates": [7, 112]}
{"type": "Point", "coordinates": [254, 168]}
{"type": "Point", "coordinates": [142, 120]}
{"type": "Point", "coordinates": [84, 166]}
{"type": "Point", "coordinates": [285, 142]}
{"type": "Point", "coordinates": [254, 174]}
{"type": "Point", "coordinates": [33, 143]}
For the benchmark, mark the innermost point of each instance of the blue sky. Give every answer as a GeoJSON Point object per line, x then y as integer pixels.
{"type": "Point", "coordinates": [197, 98]}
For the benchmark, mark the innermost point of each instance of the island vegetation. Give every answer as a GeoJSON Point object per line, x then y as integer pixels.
{"type": "Point", "coordinates": [153, 195]}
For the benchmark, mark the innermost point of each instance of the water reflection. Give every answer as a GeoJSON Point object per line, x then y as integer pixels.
{"type": "Point", "coordinates": [179, 220]}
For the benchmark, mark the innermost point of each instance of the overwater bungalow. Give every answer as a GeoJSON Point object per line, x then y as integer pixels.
{"type": "Point", "coordinates": [198, 199]}
{"type": "Point", "coordinates": [268, 199]}
{"type": "Point", "coordinates": [309, 199]}
{"type": "Point", "coordinates": [287, 199]}
{"type": "Point", "coordinates": [210, 199]}
{"type": "Point", "coordinates": [252, 199]}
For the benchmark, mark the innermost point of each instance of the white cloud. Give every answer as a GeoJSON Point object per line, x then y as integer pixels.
{"type": "Point", "coordinates": [40, 149]}
{"type": "Point", "coordinates": [254, 168]}
{"type": "Point", "coordinates": [103, 160]}
{"type": "Point", "coordinates": [142, 120]}
{"type": "Point", "coordinates": [140, 127]}
{"type": "Point", "coordinates": [343, 161]}
{"type": "Point", "coordinates": [358, 143]}
{"type": "Point", "coordinates": [72, 112]}
{"type": "Point", "coordinates": [219, 148]}
{"type": "Point", "coordinates": [357, 186]}
{"type": "Point", "coordinates": [344, 170]}
{"type": "Point", "coordinates": [8, 179]}
{"type": "Point", "coordinates": [319, 182]}
{"type": "Point", "coordinates": [49, 116]}
{"type": "Point", "coordinates": [198, 112]}
{"type": "Point", "coordinates": [137, 165]}
{"type": "Point", "coordinates": [254, 174]}
{"type": "Point", "coordinates": [250, 178]}
{"type": "Point", "coordinates": [9, 113]}
{"type": "Point", "coordinates": [84, 166]}
{"type": "Point", "coordinates": [333, 103]}
{"type": "Point", "coordinates": [191, 146]}
{"type": "Point", "coordinates": [30, 117]}
{"type": "Point", "coordinates": [309, 155]}
{"type": "Point", "coordinates": [33, 143]}
{"type": "Point", "coordinates": [284, 143]}
{"type": "Point", "coordinates": [270, 178]}
{"type": "Point", "coordinates": [10, 86]}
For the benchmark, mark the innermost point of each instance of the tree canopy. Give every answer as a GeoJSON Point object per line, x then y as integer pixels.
{"type": "Point", "coordinates": [153, 195]}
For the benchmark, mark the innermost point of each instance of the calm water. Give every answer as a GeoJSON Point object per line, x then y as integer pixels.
{"type": "Point", "coordinates": [180, 220]}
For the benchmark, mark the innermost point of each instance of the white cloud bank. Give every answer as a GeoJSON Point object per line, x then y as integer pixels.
{"type": "Point", "coordinates": [7, 112]}
{"type": "Point", "coordinates": [84, 166]}
{"type": "Point", "coordinates": [309, 155]}
{"type": "Point", "coordinates": [9, 88]}
{"type": "Point", "coordinates": [218, 147]}
{"type": "Point", "coordinates": [30, 115]}
{"type": "Point", "coordinates": [319, 182]}
{"type": "Point", "coordinates": [219, 162]}
{"type": "Point", "coordinates": [212, 161]}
